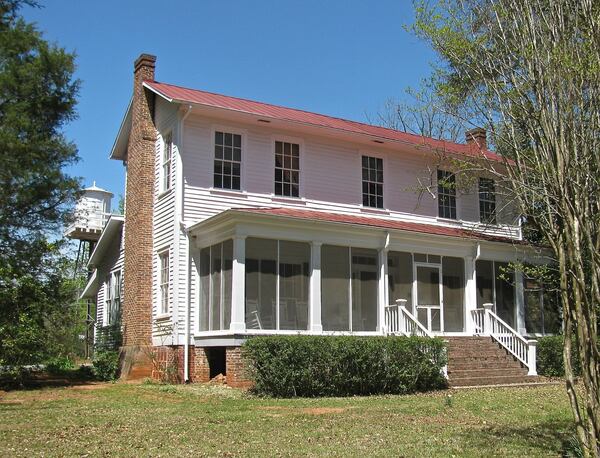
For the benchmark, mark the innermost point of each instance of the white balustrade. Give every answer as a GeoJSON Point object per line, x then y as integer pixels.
{"type": "Point", "coordinates": [399, 321]}
{"type": "Point", "coordinates": [487, 323]}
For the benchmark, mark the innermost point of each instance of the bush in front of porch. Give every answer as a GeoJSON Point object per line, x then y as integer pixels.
{"type": "Point", "coordinates": [311, 366]}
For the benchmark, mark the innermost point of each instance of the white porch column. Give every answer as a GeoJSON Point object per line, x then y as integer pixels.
{"type": "Point", "coordinates": [315, 288]}
{"type": "Point", "coordinates": [470, 293]}
{"type": "Point", "coordinates": [520, 303]}
{"type": "Point", "coordinates": [238, 282]}
{"type": "Point", "coordinates": [382, 299]}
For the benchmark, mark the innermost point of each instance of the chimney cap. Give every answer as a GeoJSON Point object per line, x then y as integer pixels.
{"type": "Point", "coordinates": [477, 136]}
{"type": "Point", "coordinates": [144, 60]}
{"type": "Point", "coordinates": [475, 133]}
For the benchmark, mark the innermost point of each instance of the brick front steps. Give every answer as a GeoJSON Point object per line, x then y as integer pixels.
{"type": "Point", "coordinates": [479, 361]}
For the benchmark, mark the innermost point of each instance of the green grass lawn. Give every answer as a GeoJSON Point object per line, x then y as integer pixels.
{"type": "Point", "coordinates": [198, 420]}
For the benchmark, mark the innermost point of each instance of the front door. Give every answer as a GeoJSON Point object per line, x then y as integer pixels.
{"type": "Point", "coordinates": [428, 303]}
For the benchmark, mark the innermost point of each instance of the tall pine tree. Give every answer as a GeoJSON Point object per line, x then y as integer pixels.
{"type": "Point", "coordinates": [37, 98]}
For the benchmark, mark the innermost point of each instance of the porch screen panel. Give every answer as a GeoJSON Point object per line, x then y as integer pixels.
{"type": "Point", "coordinates": [400, 277]}
{"type": "Point", "coordinates": [533, 311]}
{"type": "Point", "coordinates": [335, 282]}
{"type": "Point", "coordinates": [485, 282]}
{"type": "Point", "coordinates": [261, 283]}
{"type": "Point", "coordinates": [294, 262]}
{"type": "Point", "coordinates": [215, 280]}
{"type": "Point", "coordinates": [428, 294]}
{"type": "Point", "coordinates": [364, 289]}
{"type": "Point", "coordinates": [226, 278]}
{"type": "Point", "coordinates": [505, 293]}
{"type": "Point", "coordinates": [204, 289]}
{"type": "Point", "coordinates": [453, 278]}
{"type": "Point", "coordinates": [552, 312]}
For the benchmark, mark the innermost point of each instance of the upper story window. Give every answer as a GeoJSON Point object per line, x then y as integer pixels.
{"type": "Point", "coordinates": [167, 157]}
{"type": "Point", "coordinates": [228, 160]}
{"type": "Point", "coordinates": [287, 169]}
{"type": "Point", "coordinates": [372, 181]}
{"type": "Point", "coordinates": [113, 297]}
{"type": "Point", "coordinates": [446, 194]}
{"type": "Point", "coordinates": [487, 201]}
{"type": "Point", "coordinates": [164, 281]}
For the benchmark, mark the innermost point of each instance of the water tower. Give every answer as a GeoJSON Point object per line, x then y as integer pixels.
{"type": "Point", "coordinates": [92, 210]}
{"type": "Point", "coordinates": [91, 213]}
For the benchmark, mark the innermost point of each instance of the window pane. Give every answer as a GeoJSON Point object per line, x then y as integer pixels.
{"type": "Point", "coordinates": [505, 296]}
{"type": "Point", "coordinates": [204, 289]}
{"type": "Point", "coordinates": [484, 283]}
{"type": "Point", "coordinates": [400, 277]}
{"type": "Point", "coordinates": [454, 287]}
{"type": "Point", "coordinates": [364, 289]}
{"type": "Point", "coordinates": [215, 280]}
{"type": "Point", "coordinates": [237, 141]}
{"type": "Point", "coordinates": [261, 283]}
{"type": "Point", "coordinates": [226, 277]}
{"type": "Point", "coordinates": [294, 262]}
{"type": "Point", "coordinates": [218, 138]}
{"type": "Point", "coordinates": [335, 277]}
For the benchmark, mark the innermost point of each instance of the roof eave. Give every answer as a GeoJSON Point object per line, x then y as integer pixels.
{"type": "Point", "coordinates": [110, 229]}
{"type": "Point", "coordinates": [119, 148]}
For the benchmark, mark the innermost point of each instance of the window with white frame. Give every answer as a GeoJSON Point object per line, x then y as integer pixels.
{"type": "Point", "coordinates": [228, 160]}
{"type": "Point", "coordinates": [167, 158]}
{"type": "Point", "coordinates": [287, 169]}
{"type": "Point", "coordinates": [113, 298]}
{"type": "Point", "coordinates": [446, 194]}
{"type": "Point", "coordinates": [372, 181]}
{"type": "Point", "coordinates": [487, 201]}
{"type": "Point", "coordinates": [164, 281]}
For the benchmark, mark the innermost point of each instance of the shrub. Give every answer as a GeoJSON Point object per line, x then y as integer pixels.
{"type": "Point", "coordinates": [59, 365]}
{"type": "Point", "coordinates": [550, 357]}
{"type": "Point", "coordinates": [308, 366]}
{"type": "Point", "coordinates": [106, 365]}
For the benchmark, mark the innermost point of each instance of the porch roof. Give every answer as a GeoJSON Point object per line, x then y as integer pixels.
{"type": "Point", "coordinates": [370, 221]}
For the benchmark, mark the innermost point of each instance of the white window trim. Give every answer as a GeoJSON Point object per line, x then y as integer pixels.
{"type": "Point", "coordinates": [160, 313]}
{"type": "Point", "coordinates": [479, 200]}
{"type": "Point", "coordinates": [300, 142]}
{"type": "Point", "coordinates": [230, 130]}
{"type": "Point", "coordinates": [457, 197]}
{"type": "Point", "coordinates": [163, 190]}
{"type": "Point", "coordinates": [109, 297]}
{"type": "Point", "coordinates": [386, 179]}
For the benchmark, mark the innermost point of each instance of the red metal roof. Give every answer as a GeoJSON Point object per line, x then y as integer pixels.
{"type": "Point", "coordinates": [185, 95]}
{"type": "Point", "coordinates": [374, 222]}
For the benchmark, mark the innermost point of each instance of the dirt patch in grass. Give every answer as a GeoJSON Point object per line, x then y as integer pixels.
{"type": "Point", "coordinates": [306, 410]}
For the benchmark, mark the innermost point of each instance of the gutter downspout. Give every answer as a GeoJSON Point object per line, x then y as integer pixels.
{"type": "Point", "coordinates": [180, 219]}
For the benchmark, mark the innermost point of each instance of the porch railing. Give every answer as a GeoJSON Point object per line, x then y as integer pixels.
{"type": "Point", "coordinates": [487, 323]}
{"type": "Point", "coordinates": [398, 320]}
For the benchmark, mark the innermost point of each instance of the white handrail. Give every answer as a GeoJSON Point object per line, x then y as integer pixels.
{"type": "Point", "coordinates": [399, 320]}
{"type": "Point", "coordinates": [491, 324]}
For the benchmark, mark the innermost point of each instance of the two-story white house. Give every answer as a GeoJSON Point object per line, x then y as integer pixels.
{"type": "Point", "coordinates": [244, 218]}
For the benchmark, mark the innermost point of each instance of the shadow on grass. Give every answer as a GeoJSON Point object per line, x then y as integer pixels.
{"type": "Point", "coordinates": [32, 380]}
{"type": "Point", "coordinates": [551, 437]}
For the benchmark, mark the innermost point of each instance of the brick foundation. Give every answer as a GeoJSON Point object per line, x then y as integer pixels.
{"type": "Point", "coordinates": [167, 365]}
{"type": "Point", "coordinates": [236, 369]}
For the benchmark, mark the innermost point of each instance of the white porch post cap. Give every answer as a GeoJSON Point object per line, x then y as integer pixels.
{"type": "Point", "coordinates": [401, 302]}
{"type": "Point", "coordinates": [488, 306]}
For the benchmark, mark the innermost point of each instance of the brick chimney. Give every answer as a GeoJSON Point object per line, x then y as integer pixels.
{"type": "Point", "coordinates": [477, 137]}
{"type": "Point", "coordinates": [139, 194]}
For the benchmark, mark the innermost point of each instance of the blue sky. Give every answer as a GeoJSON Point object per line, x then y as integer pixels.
{"type": "Point", "coordinates": [342, 58]}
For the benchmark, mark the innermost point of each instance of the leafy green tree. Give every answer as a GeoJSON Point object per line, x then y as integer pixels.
{"type": "Point", "coordinates": [37, 98]}
{"type": "Point", "coordinates": [529, 71]}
